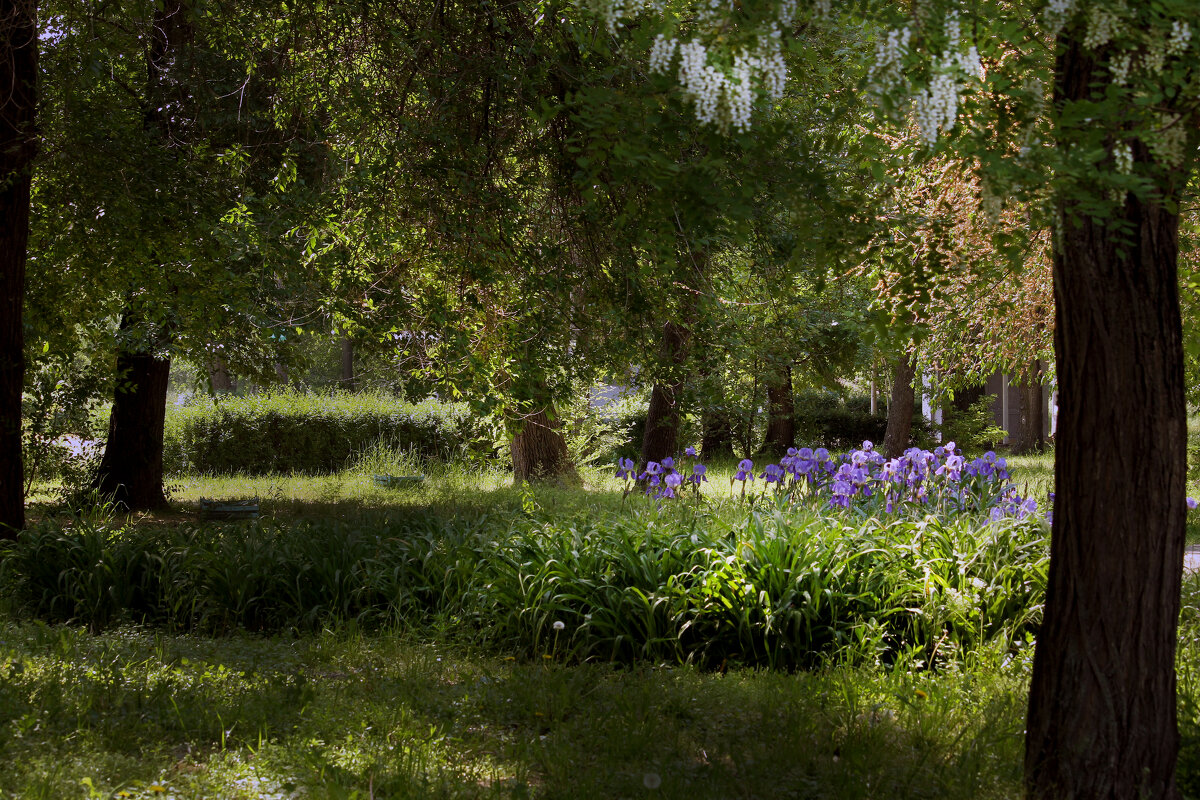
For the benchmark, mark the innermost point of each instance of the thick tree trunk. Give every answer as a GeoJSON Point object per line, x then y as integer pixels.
{"type": "Point", "coordinates": [661, 438]}
{"type": "Point", "coordinates": [900, 408]}
{"type": "Point", "coordinates": [1030, 438]}
{"type": "Point", "coordinates": [539, 451]}
{"type": "Point", "coordinates": [716, 440]}
{"type": "Point", "coordinates": [1101, 720]}
{"type": "Point", "coordinates": [781, 423]}
{"type": "Point", "coordinates": [219, 376]}
{"type": "Point", "coordinates": [347, 379]}
{"type": "Point", "coordinates": [18, 102]}
{"type": "Point", "coordinates": [131, 471]}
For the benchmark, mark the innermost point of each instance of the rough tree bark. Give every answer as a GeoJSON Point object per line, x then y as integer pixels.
{"type": "Point", "coordinates": [18, 145]}
{"type": "Point", "coordinates": [539, 451]}
{"type": "Point", "coordinates": [219, 376]}
{"type": "Point", "coordinates": [900, 408]}
{"type": "Point", "coordinates": [131, 470]}
{"type": "Point", "coordinates": [781, 423]}
{"type": "Point", "coordinates": [661, 438]}
{"type": "Point", "coordinates": [1030, 438]}
{"type": "Point", "coordinates": [1102, 718]}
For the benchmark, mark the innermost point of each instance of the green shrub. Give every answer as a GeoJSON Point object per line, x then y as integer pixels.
{"type": "Point", "coordinates": [973, 429]}
{"type": "Point", "coordinates": [314, 433]}
{"type": "Point", "coordinates": [827, 419]}
{"type": "Point", "coordinates": [772, 587]}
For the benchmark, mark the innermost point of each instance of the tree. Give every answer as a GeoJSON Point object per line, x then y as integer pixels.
{"type": "Point", "coordinates": [1112, 149]}
{"type": "Point", "coordinates": [18, 105]}
{"type": "Point", "coordinates": [167, 97]}
{"type": "Point", "coordinates": [900, 408]}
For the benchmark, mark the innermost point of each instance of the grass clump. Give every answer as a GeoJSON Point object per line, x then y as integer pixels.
{"type": "Point", "coordinates": [776, 587]}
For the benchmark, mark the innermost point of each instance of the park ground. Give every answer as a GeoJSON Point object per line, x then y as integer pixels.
{"type": "Point", "coordinates": [352, 708]}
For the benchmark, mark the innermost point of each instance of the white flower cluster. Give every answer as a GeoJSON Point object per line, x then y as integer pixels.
{"type": "Point", "coordinates": [969, 62]}
{"type": "Point", "coordinates": [1056, 13]}
{"type": "Point", "coordinates": [719, 99]}
{"type": "Point", "coordinates": [890, 52]}
{"type": "Point", "coordinates": [613, 11]}
{"type": "Point", "coordinates": [1155, 57]}
{"type": "Point", "coordinates": [661, 53]}
{"type": "Point", "coordinates": [787, 12]}
{"type": "Point", "coordinates": [1123, 158]}
{"type": "Point", "coordinates": [937, 106]}
{"type": "Point", "coordinates": [1181, 34]}
{"type": "Point", "coordinates": [703, 84]}
{"type": "Point", "coordinates": [1101, 27]}
{"type": "Point", "coordinates": [1119, 67]}
{"type": "Point", "coordinates": [953, 30]}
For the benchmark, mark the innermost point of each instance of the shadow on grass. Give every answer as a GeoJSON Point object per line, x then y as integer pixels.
{"type": "Point", "coordinates": [387, 717]}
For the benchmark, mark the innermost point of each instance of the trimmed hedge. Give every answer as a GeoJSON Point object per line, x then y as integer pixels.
{"type": "Point", "coordinates": [314, 433]}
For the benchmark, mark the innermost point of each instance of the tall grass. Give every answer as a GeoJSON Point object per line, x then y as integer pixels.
{"type": "Point", "coordinates": [769, 587]}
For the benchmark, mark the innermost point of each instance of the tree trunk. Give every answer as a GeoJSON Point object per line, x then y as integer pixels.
{"type": "Point", "coordinates": [347, 380]}
{"type": "Point", "coordinates": [716, 440]}
{"type": "Point", "coordinates": [781, 423]}
{"type": "Point", "coordinates": [661, 438]}
{"type": "Point", "coordinates": [18, 145]}
{"type": "Point", "coordinates": [18, 103]}
{"type": "Point", "coordinates": [539, 451]}
{"type": "Point", "coordinates": [219, 376]}
{"type": "Point", "coordinates": [900, 408]}
{"type": "Point", "coordinates": [1101, 720]}
{"type": "Point", "coordinates": [131, 471]}
{"type": "Point", "coordinates": [1029, 438]}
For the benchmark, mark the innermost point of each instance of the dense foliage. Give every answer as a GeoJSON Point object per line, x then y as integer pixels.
{"type": "Point", "coordinates": [762, 586]}
{"type": "Point", "coordinates": [308, 433]}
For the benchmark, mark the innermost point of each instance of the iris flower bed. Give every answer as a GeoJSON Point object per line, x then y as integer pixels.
{"type": "Point", "coordinates": [941, 481]}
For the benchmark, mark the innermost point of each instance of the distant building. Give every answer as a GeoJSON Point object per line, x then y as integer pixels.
{"type": "Point", "coordinates": [1006, 404]}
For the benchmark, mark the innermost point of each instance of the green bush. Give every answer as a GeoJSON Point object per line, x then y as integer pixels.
{"type": "Point", "coordinates": [772, 587]}
{"type": "Point", "coordinates": [826, 419]}
{"type": "Point", "coordinates": [314, 433]}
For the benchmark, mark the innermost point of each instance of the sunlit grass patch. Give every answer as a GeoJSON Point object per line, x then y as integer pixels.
{"type": "Point", "coordinates": [387, 716]}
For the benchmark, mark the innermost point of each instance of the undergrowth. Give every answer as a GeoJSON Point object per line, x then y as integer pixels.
{"type": "Point", "coordinates": [772, 587]}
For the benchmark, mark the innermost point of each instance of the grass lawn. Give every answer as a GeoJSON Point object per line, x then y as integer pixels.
{"type": "Point", "coordinates": [342, 715]}
{"type": "Point", "coordinates": [353, 709]}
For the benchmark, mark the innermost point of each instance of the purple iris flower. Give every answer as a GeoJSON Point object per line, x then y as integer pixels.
{"type": "Point", "coordinates": [668, 463]}
{"type": "Point", "coordinates": [673, 482]}
{"type": "Point", "coordinates": [653, 473]}
{"type": "Point", "coordinates": [698, 474]}
{"type": "Point", "coordinates": [868, 446]}
{"type": "Point", "coordinates": [1192, 503]}
{"type": "Point", "coordinates": [625, 468]}
{"type": "Point", "coordinates": [745, 470]}
{"type": "Point", "coordinates": [772, 473]}
{"type": "Point", "coordinates": [691, 451]}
